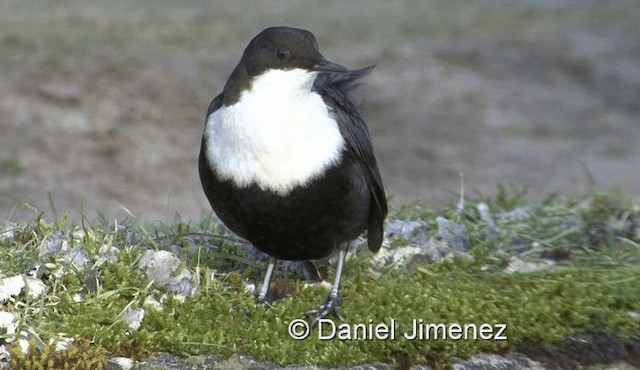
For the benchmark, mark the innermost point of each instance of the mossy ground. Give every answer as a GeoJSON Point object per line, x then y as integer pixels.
{"type": "Point", "coordinates": [597, 289]}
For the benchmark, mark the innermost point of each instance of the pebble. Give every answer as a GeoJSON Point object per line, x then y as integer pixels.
{"type": "Point", "coordinates": [455, 235]}
{"type": "Point", "coordinates": [54, 244]}
{"type": "Point", "coordinates": [8, 323]}
{"type": "Point", "coordinates": [518, 265]}
{"type": "Point", "coordinates": [120, 363]}
{"type": "Point", "coordinates": [134, 318]}
{"type": "Point", "coordinates": [163, 267]}
{"type": "Point", "coordinates": [412, 231]}
{"type": "Point", "coordinates": [13, 286]}
{"type": "Point", "coordinates": [491, 361]}
{"type": "Point", "coordinates": [76, 256]}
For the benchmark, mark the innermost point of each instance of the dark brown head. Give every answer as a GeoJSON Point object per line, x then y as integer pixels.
{"type": "Point", "coordinates": [285, 48]}
{"type": "Point", "coordinates": [277, 48]}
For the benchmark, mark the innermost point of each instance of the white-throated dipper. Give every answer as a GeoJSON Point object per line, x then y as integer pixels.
{"type": "Point", "coordinates": [286, 159]}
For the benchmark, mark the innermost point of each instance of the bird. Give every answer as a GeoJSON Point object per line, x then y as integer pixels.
{"type": "Point", "coordinates": [286, 159]}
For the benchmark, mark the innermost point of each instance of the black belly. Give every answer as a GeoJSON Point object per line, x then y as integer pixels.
{"type": "Point", "coordinates": [310, 222]}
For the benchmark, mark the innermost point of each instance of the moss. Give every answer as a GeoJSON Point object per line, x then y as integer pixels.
{"type": "Point", "coordinates": [595, 291]}
{"type": "Point", "coordinates": [607, 217]}
{"type": "Point", "coordinates": [78, 356]}
{"type": "Point", "coordinates": [543, 307]}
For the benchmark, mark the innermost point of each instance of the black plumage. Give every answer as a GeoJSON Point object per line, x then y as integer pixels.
{"type": "Point", "coordinates": [320, 217]}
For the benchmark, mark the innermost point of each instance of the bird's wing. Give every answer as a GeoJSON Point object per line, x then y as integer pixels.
{"type": "Point", "coordinates": [216, 103]}
{"type": "Point", "coordinates": [334, 88]}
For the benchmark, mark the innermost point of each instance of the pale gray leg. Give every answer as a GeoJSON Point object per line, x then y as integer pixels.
{"type": "Point", "coordinates": [342, 256]}
{"type": "Point", "coordinates": [333, 301]}
{"type": "Point", "coordinates": [271, 263]}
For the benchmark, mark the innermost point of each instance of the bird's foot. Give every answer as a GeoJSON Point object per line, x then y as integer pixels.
{"type": "Point", "coordinates": [331, 306]}
{"type": "Point", "coordinates": [263, 301]}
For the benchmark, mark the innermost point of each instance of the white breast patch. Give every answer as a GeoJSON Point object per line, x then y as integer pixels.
{"type": "Point", "coordinates": [278, 135]}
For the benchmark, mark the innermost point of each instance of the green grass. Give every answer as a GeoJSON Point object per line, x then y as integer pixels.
{"type": "Point", "coordinates": [594, 291]}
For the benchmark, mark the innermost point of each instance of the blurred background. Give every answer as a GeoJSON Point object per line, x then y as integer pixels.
{"type": "Point", "coordinates": [102, 103]}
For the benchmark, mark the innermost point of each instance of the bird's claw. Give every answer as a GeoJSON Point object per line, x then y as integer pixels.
{"type": "Point", "coordinates": [263, 301]}
{"type": "Point", "coordinates": [332, 305]}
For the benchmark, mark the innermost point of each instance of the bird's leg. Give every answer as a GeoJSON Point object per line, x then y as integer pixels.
{"type": "Point", "coordinates": [333, 301]}
{"type": "Point", "coordinates": [271, 263]}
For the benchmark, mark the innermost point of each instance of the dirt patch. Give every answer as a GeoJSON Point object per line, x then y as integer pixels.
{"type": "Point", "coordinates": [103, 107]}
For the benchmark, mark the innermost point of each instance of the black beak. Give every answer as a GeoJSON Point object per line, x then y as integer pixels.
{"type": "Point", "coordinates": [327, 66]}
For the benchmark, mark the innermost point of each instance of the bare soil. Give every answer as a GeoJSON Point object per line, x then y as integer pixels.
{"type": "Point", "coordinates": [102, 104]}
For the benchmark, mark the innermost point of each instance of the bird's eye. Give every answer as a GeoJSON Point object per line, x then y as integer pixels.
{"type": "Point", "coordinates": [282, 54]}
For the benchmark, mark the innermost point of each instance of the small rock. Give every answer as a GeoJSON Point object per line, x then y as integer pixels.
{"type": "Point", "coordinates": [483, 209]}
{"type": "Point", "coordinates": [437, 250]}
{"type": "Point", "coordinates": [171, 361]}
{"type": "Point", "coordinates": [183, 286]}
{"type": "Point", "coordinates": [13, 286]}
{"type": "Point", "coordinates": [485, 215]}
{"type": "Point", "coordinates": [10, 287]}
{"type": "Point", "coordinates": [54, 244]}
{"type": "Point", "coordinates": [5, 356]}
{"type": "Point", "coordinates": [413, 231]}
{"type": "Point", "coordinates": [62, 343]}
{"type": "Point", "coordinates": [455, 235]}
{"type": "Point", "coordinates": [518, 265]}
{"type": "Point", "coordinates": [134, 318]}
{"type": "Point", "coordinates": [158, 265]}
{"type": "Point", "coordinates": [434, 250]}
{"type": "Point", "coordinates": [318, 285]}
{"type": "Point", "coordinates": [45, 269]}
{"type": "Point", "coordinates": [24, 345]}
{"type": "Point", "coordinates": [8, 231]}
{"type": "Point", "coordinates": [163, 267]}
{"type": "Point", "coordinates": [497, 362]}
{"type": "Point", "coordinates": [197, 360]}
{"type": "Point", "coordinates": [76, 256]}
{"type": "Point", "coordinates": [108, 253]}
{"type": "Point", "coordinates": [7, 323]}
{"type": "Point", "coordinates": [248, 287]}
{"type": "Point", "coordinates": [150, 302]}
{"type": "Point", "coordinates": [395, 256]}
{"type": "Point", "coordinates": [120, 363]}
{"type": "Point", "coordinates": [35, 287]}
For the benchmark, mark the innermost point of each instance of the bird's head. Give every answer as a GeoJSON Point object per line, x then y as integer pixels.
{"type": "Point", "coordinates": [286, 48]}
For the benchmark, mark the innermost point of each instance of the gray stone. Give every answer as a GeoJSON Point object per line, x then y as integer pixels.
{"type": "Point", "coordinates": [79, 257]}
{"type": "Point", "coordinates": [120, 363]}
{"type": "Point", "coordinates": [518, 265]}
{"type": "Point", "coordinates": [497, 362]}
{"type": "Point", "coordinates": [166, 269]}
{"type": "Point", "coordinates": [412, 231]}
{"type": "Point", "coordinates": [455, 235]}
{"type": "Point", "coordinates": [54, 244]}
